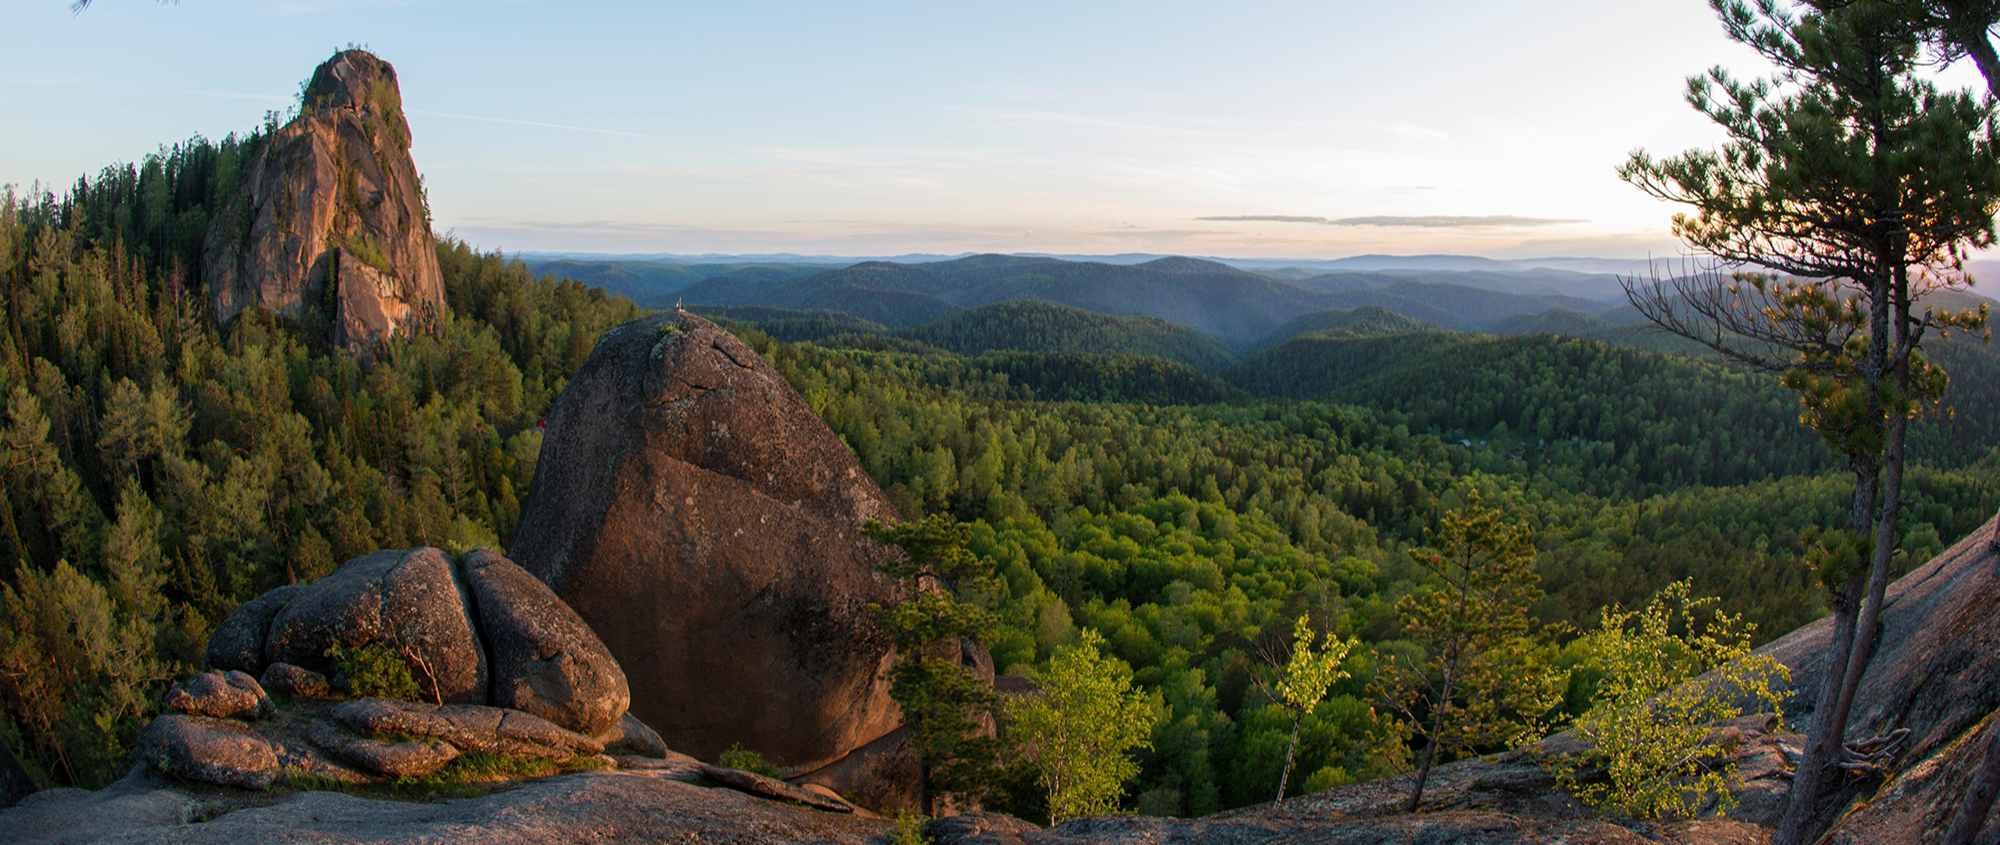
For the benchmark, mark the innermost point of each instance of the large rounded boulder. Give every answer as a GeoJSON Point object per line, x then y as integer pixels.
{"type": "Point", "coordinates": [407, 600]}
{"type": "Point", "coordinates": [546, 661]}
{"type": "Point", "coordinates": [698, 514]}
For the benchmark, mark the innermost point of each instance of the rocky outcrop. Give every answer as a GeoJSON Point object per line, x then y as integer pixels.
{"type": "Point", "coordinates": [633, 806]}
{"type": "Point", "coordinates": [238, 643]}
{"type": "Point", "coordinates": [407, 601]}
{"type": "Point", "coordinates": [477, 631]}
{"type": "Point", "coordinates": [294, 681]}
{"type": "Point", "coordinates": [552, 684]}
{"type": "Point", "coordinates": [770, 787]}
{"type": "Point", "coordinates": [546, 661]}
{"type": "Point", "coordinates": [330, 226]}
{"type": "Point", "coordinates": [223, 695]}
{"type": "Point", "coordinates": [484, 730]}
{"type": "Point", "coordinates": [211, 750]}
{"type": "Point", "coordinates": [697, 513]}
{"type": "Point", "coordinates": [631, 736]}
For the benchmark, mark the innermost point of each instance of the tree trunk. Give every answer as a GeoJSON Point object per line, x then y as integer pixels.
{"type": "Point", "coordinates": [924, 799]}
{"type": "Point", "coordinates": [1286, 776]}
{"type": "Point", "coordinates": [1979, 797]}
{"type": "Point", "coordinates": [1430, 747]}
{"type": "Point", "coordinates": [1825, 735]}
{"type": "Point", "coordinates": [1823, 738]}
{"type": "Point", "coordinates": [1971, 37]}
{"type": "Point", "coordinates": [1868, 627]}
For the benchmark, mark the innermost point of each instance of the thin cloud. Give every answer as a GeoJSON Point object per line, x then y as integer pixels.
{"type": "Point", "coordinates": [538, 123]}
{"type": "Point", "coordinates": [226, 95]}
{"type": "Point", "coordinates": [1434, 221]}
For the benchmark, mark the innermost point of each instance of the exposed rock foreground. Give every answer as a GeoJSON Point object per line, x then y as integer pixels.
{"type": "Point", "coordinates": [694, 509]}
{"type": "Point", "coordinates": [329, 226]}
{"type": "Point", "coordinates": [480, 630]}
{"type": "Point", "coordinates": [1935, 675]}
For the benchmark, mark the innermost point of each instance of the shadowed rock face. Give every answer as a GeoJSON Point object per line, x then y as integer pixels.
{"type": "Point", "coordinates": [693, 509]}
{"type": "Point", "coordinates": [329, 226]}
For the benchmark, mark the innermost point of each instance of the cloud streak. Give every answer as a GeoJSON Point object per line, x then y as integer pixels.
{"type": "Point", "coordinates": [1432, 221]}
{"type": "Point", "coordinates": [538, 123]}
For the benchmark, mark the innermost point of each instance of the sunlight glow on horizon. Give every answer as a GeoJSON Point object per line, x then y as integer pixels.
{"type": "Point", "coordinates": [1323, 130]}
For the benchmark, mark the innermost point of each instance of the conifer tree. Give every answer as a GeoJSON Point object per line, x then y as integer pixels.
{"type": "Point", "coordinates": [1855, 188]}
{"type": "Point", "coordinates": [947, 708]}
{"type": "Point", "coordinates": [1483, 682]}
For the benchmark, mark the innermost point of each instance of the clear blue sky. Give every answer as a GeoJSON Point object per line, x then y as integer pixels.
{"type": "Point", "coordinates": [888, 127]}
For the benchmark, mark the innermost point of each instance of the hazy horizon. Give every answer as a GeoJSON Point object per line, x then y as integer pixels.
{"type": "Point", "coordinates": [1280, 129]}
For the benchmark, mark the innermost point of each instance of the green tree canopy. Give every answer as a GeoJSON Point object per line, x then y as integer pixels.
{"type": "Point", "coordinates": [1078, 729]}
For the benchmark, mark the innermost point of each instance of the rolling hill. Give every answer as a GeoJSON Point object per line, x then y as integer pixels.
{"type": "Point", "coordinates": [1366, 321]}
{"type": "Point", "coordinates": [1031, 326]}
{"type": "Point", "coordinates": [658, 283]}
{"type": "Point", "coordinates": [1231, 305]}
{"type": "Point", "coordinates": [1552, 321]}
{"type": "Point", "coordinates": [1452, 306]}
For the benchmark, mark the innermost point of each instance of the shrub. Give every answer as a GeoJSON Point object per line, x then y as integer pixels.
{"type": "Point", "coordinates": [738, 757]}
{"type": "Point", "coordinates": [374, 671]}
{"type": "Point", "coordinates": [1650, 719]}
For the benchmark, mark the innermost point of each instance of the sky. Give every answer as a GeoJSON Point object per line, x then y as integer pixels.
{"type": "Point", "coordinates": [1243, 129]}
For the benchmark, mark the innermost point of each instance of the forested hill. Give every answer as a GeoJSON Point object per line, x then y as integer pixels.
{"type": "Point", "coordinates": [658, 284]}
{"type": "Point", "coordinates": [1453, 306]}
{"type": "Point", "coordinates": [1231, 305]}
{"type": "Point", "coordinates": [1366, 321]}
{"type": "Point", "coordinates": [1031, 326]}
{"type": "Point", "coordinates": [1552, 321]}
{"type": "Point", "coordinates": [1662, 418]}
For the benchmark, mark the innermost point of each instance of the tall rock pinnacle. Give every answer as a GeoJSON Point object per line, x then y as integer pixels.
{"type": "Point", "coordinates": [330, 228]}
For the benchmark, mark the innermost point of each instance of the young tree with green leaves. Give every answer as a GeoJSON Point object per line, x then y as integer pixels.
{"type": "Point", "coordinates": [1079, 727]}
{"type": "Point", "coordinates": [1483, 682]}
{"type": "Point", "coordinates": [947, 708]}
{"type": "Point", "coordinates": [1857, 188]}
{"type": "Point", "coordinates": [1649, 722]}
{"type": "Point", "coordinates": [1302, 682]}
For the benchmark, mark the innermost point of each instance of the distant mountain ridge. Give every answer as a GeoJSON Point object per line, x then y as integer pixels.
{"type": "Point", "coordinates": [1232, 305]}
{"type": "Point", "coordinates": [1237, 307]}
{"type": "Point", "coordinates": [1444, 262]}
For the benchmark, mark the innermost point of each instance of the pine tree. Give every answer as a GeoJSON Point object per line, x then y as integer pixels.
{"type": "Point", "coordinates": [1483, 682]}
{"type": "Point", "coordinates": [1858, 188]}
{"type": "Point", "coordinates": [947, 708]}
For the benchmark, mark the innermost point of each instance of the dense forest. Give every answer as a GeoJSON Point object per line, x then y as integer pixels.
{"type": "Point", "coordinates": [158, 471]}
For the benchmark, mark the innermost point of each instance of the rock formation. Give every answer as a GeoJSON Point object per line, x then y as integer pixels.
{"type": "Point", "coordinates": [546, 661]}
{"type": "Point", "coordinates": [439, 617]}
{"type": "Point", "coordinates": [330, 226]}
{"type": "Point", "coordinates": [407, 601]}
{"type": "Point", "coordinates": [557, 693]}
{"type": "Point", "coordinates": [692, 507]}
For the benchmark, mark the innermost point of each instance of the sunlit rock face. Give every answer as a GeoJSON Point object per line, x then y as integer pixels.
{"type": "Point", "coordinates": [329, 228]}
